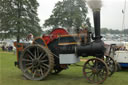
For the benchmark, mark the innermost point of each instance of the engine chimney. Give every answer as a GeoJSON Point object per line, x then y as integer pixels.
{"type": "Point", "coordinates": [96, 17]}
{"type": "Point", "coordinates": [96, 5]}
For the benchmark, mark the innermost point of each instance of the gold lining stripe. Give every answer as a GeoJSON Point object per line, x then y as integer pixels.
{"type": "Point", "coordinates": [68, 43]}
{"type": "Point", "coordinates": [71, 35]}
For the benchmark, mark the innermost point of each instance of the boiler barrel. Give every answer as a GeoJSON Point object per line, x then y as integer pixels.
{"type": "Point", "coordinates": [94, 49]}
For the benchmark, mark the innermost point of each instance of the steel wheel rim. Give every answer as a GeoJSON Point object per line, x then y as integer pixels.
{"type": "Point", "coordinates": [35, 63]}
{"type": "Point", "coordinates": [95, 70]}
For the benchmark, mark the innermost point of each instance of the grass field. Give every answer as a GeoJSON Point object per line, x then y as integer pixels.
{"type": "Point", "coordinates": [11, 75]}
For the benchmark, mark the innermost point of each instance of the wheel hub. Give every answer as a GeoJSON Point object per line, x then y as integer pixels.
{"type": "Point", "coordinates": [35, 62]}
{"type": "Point", "coordinates": [94, 70]}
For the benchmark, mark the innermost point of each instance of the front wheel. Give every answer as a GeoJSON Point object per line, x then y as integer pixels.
{"type": "Point", "coordinates": [95, 70]}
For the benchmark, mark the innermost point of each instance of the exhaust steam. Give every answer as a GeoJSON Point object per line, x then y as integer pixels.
{"type": "Point", "coordinates": [95, 4]}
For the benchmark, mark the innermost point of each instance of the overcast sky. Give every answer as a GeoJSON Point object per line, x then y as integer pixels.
{"type": "Point", "coordinates": [111, 12]}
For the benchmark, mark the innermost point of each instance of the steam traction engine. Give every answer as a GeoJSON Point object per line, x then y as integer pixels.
{"type": "Point", "coordinates": [55, 52]}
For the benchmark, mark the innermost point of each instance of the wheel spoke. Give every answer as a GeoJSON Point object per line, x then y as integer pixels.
{"type": "Point", "coordinates": [33, 75]}
{"type": "Point", "coordinates": [41, 72]}
{"type": "Point", "coordinates": [90, 76]}
{"type": "Point", "coordinates": [30, 57]}
{"type": "Point", "coordinates": [93, 62]}
{"type": "Point", "coordinates": [42, 61]}
{"type": "Point", "coordinates": [100, 76]}
{"type": "Point", "coordinates": [28, 68]}
{"type": "Point", "coordinates": [97, 77]}
{"type": "Point", "coordinates": [40, 55]}
{"type": "Point", "coordinates": [102, 73]}
{"type": "Point", "coordinates": [89, 68]}
{"type": "Point", "coordinates": [32, 70]}
{"type": "Point", "coordinates": [96, 64]}
{"type": "Point", "coordinates": [30, 53]}
{"type": "Point", "coordinates": [89, 65]}
{"type": "Point", "coordinates": [88, 72]}
{"type": "Point", "coordinates": [35, 54]}
{"type": "Point", "coordinates": [43, 56]}
{"type": "Point", "coordinates": [43, 67]}
{"type": "Point", "coordinates": [46, 65]}
{"type": "Point", "coordinates": [94, 77]}
{"type": "Point", "coordinates": [108, 59]}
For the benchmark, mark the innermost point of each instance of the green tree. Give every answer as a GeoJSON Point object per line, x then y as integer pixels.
{"type": "Point", "coordinates": [69, 14]}
{"type": "Point", "coordinates": [111, 31]}
{"type": "Point", "coordinates": [19, 18]}
{"type": "Point", "coordinates": [104, 30]}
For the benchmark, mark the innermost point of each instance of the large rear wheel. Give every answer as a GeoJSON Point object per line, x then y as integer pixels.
{"type": "Point", "coordinates": [36, 62]}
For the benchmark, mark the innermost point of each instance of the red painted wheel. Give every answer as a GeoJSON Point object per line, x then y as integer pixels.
{"type": "Point", "coordinates": [54, 35]}
{"type": "Point", "coordinates": [58, 31]}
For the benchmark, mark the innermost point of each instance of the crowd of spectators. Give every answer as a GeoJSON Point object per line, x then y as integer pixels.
{"type": "Point", "coordinates": [8, 48]}
{"type": "Point", "coordinates": [121, 48]}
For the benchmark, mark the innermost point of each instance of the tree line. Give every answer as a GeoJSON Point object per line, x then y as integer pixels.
{"type": "Point", "coordinates": [113, 31]}
{"type": "Point", "coordinates": [18, 18]}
